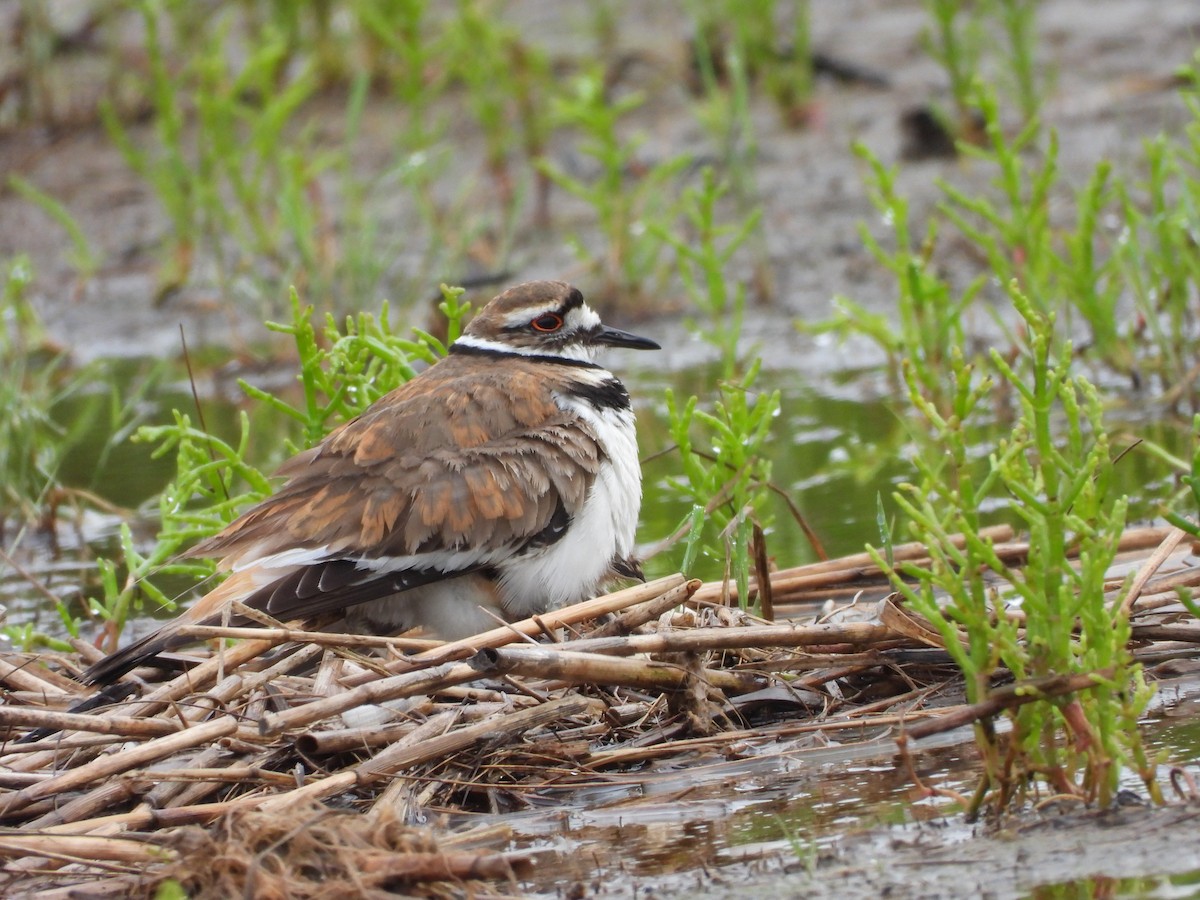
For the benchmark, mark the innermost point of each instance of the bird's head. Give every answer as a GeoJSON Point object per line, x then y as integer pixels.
{"type": "Point", "coordinates": [545, 318]}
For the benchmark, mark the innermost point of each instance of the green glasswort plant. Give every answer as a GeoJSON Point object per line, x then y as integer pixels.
{"type": "Point", "coordinates": [955, 40]}
{"type": "Point", "coordinates": [259, 187]}
{"type": "Point", "coordinates": [930, 313]}
{"type": "Point", "coordinates": [81, 255]}
{"type": "Point", "coordinates": [739, 40]}
{"type": "Point", "coordinates": [1086, 271]}
{"type": "Point", "coordinates": [231, 161]}
{"type": "Point", "coordinates": [1064, 267]}
{"type": "Point", "coordinates": [342, 370]}
{"type": "Point", "coordinates": [703, 254]}
{"type": "Point", "coordinates": [1080, 690]}
{"type": "Point", "coordinates": [506, 81]}
{"type": "Point", "coordinates": [724, 106]}
{"type": "Point", "coordinates": [1013, 229]}
{"type": "Point", "coordinates": [415, 47]}
{"type": "Point", "coordinates": [37, 380]}
{"type": "Point", "coordinates": [1154, 253]}
{"type": "Point", "coordinates": [726, 472]}
{"type": "Point", "coordinates": [727, 480]}
{"type": "Point", "coordinates": [1190, 479]}
{"type": "Point", "coordinates": [626, 205]}
{"type": "Point", "coordinates": [28, 434]}
{"type": "Point", "coordinates": [966, 39]}
{"type": "Point", "coordinates": [1018, 21]}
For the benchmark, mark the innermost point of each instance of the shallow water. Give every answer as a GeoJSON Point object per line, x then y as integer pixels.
{"type": "Point", "coordinates": [791, 800]}
{"type": "Point", "coordinates": [694, 825]}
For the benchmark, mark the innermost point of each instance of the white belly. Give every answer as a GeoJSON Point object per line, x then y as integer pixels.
{"type": "Point", "coordinates": [574, 567]}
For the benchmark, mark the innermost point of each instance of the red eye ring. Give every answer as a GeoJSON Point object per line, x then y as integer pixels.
{"type": "Point", "coordinates": [547, 322]}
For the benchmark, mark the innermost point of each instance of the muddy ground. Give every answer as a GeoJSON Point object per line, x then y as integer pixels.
{"type": "Point", "coordinates": [1111, 61]}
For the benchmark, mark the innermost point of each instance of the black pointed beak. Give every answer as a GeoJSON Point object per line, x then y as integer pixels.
{"type": "Point", "coordinates": [615, 338]}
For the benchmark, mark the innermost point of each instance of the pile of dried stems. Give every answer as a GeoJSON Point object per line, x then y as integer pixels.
{"type": "Point", "coordinates": [316, 749]}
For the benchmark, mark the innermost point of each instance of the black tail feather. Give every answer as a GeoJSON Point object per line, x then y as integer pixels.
{"type": "Point", "coordinates": [316, 590]}
{"type": "Point", "coordinates": [113, 693]}
{"type": "Point", "coordinates": [113, 666]}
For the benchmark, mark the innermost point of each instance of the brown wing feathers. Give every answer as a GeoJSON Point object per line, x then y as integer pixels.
{"type": "Point", "coordinates": [495, 496]}
{"type": "Point", "coordinates": [385, 484]}
{"type": "Point", "coordinates": [415, 476]}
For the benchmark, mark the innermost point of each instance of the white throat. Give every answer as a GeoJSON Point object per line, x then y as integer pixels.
{"type": "Point", "coordinates": [576, 352]}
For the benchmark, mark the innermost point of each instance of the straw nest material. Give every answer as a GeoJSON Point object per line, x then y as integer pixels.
{"type": "Point", "coordinates": [293, 763]}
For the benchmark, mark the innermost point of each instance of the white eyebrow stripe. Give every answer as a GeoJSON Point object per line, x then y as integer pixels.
{"type": "Point", "coordinates": [523, 317]}
{"type": "Point", "coordinates": [577, 318]}
{"type": "Point", "coordinates": [583, 318]}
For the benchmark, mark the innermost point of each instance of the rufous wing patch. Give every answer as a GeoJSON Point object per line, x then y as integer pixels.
{"type": "Point", "coordinates": [390, 482]}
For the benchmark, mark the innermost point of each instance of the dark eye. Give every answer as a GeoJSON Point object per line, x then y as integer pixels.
{"type": "Point", "coordinates": [548, 322]}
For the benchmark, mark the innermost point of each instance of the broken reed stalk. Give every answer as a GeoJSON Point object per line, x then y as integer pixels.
{"type": "Point", "coordinates": [381, 690]}
{"type": "Point", "coordinates": [1185, 632]}
{"type": "Point", "coordinates": [573, 667]}
{"type": "Point", "coordinates": [57, 743]}
{"type": "Point", "coordinates": [84, 849]}
{"type": "Point", "coordinates": [197, 679]}
{"type": "Point", "coordinates": [108, 766]}
{"type": "Point", "coordinates": [124, 726]}
{"type": "Point", "coordinates": [402, 756]}
{"type": "Point", "coordinates": [1170, 541]}
{"type": "Point", "coordinates": [1189, 577]}
{"type": "Point", "coordinates": [836, 571]}
{"type": "Point", "coordinates": [433, 727]}
{"type": "Point", "coordinates": [23, 678]}
{"type": "Point", "coordinates": [646, 611]}
{"type": "Point", "coordinates": [793, 585]}
{"type": "Point", "coordinates": [855, 634]}
{"type": "Point", "coordinates": [1002, 698]}
{"type": "Point", "coordinates": [324, 743]}
{"type": "Point", "coordinates": [107, 795]}
{"type": "Point", "coordinates": [278, 636]}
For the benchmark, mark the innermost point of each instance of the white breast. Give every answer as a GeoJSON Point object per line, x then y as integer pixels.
{"type": "Point", "coordinates": [572, 568]}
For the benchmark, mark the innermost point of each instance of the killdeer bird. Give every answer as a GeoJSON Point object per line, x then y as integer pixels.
{"type": "Point", "coordinates": [502, 481]}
